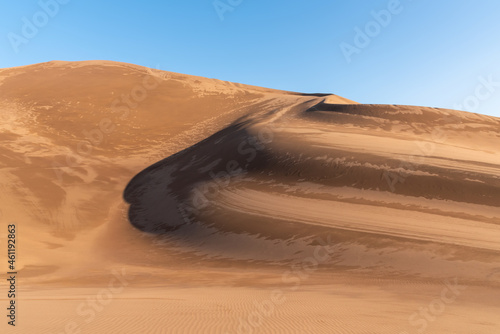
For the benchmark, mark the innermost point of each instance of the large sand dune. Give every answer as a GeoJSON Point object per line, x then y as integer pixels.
{"type": "Point", "coordinates": [154, 202]}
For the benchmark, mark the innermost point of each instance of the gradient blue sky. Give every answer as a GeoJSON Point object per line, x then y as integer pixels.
{"type": "Point", "coordinates": [432, 53]}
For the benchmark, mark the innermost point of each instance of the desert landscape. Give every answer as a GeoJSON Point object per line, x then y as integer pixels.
{"type": "Point", "coordinates": [148, 201]}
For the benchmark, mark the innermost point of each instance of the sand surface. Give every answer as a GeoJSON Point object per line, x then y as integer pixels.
{"type": "Point", "coordinates": [148, 201]}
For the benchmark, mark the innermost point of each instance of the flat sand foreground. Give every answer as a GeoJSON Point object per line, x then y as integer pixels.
{"type": "Point", "coordinates": [365, 306]}
{"type": "Point", "coordinates": [148, 201]}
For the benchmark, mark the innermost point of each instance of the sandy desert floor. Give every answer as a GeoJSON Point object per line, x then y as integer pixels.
{"type": "Point", "coordinates": [148, 201]}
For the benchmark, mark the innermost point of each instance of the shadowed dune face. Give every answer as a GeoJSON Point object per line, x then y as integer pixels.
{"type": "Point", "coordinates": [378, 173]}
{"type": "Point", "coordinates": [160, 194]}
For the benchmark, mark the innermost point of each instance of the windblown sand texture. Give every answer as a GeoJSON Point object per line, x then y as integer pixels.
{"type": "Point", "coordinates": [154, 202]}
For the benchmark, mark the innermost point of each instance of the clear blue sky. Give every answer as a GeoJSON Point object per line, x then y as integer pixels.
{"type": "Point", "coordinates": [426, 52]}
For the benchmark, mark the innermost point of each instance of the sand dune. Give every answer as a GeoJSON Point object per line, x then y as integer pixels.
{"type": "Point", "coordinates": [157, 202]}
